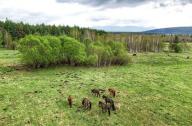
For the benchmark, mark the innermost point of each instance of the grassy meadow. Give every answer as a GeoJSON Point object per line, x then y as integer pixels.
{"type": "Point", "coordinates": [156, 90]}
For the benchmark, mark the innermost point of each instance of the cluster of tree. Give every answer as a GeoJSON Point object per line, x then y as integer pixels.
{"type": "Point", "coordinates": [143, 43]}
{"type": "Point", "coordinates": [181, 38]}
{"type": "Point", "coordinates": [42, 51]}
{"type": "Point", "coordinates": [135, 42]}
{"type": "Point", "coordinates": [177, 46]}
{"type": "Point", "coordinates": [140, 42]}
{"type": "Point", "coordinates": [1, 39]}
{"type": "Point", "coordinates": [6, 40]}
{"type": "Point", "coordinates": [20, 29]}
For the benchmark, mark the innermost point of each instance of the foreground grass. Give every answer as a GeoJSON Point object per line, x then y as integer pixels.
{"type": "Point", "coordinates": [154, 90]}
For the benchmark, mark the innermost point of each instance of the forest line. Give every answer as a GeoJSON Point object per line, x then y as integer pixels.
{"type": "Point", "coordinates": [11, 32]}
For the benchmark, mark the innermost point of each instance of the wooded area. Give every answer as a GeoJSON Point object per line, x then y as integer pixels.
{"type": "Point", "coordinates": [11, 32]}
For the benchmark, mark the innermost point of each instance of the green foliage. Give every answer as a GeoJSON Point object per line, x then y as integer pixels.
{"type": "Point", "coordinates": [91, 60]}
{"type": "Point", "coordinates": [178, 48]}
{"type": "Point", "coordinates": [120, 55]}
{"type": "Point", "coordinates": [47, 50]}
{"type": "Point", "coordinates": [175, 46]}
{"type": "Point", "coordinates": [87, 42]}
{"type": "Point", "coordinates": [19, 30]}
{"type": "Point", "coordinates": [43, 51]}
{"type": "Point", "coordinates": [121, 59]}
{"type": "Point", "coordinates": [55, 46]}
{"type": "Point", "coordinates": [99, 50]}
{"type": "Point", "coordinates": [1, 39]}
{"type": "Point", "coordinates": [35, 50]}
{"type": "Point", "coordinates": [176, 39]}
{"type": "Point", "coordinates": [135, 42]}
{"type": "Point", "coordinates": [185, 46]}
{"type": "Point", "coordinates": [7, 41]}
{"type": "Point", "coordinates": [108, 53]}
{"type": "Point", "coordinates": [73, 51]}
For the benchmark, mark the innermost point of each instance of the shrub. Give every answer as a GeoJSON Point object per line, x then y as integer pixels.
{"type": "Point", "coordinates": [117, 48]}
{"type": "Point", "coordinates": [91, 60]}
{"type": "Point", "coordinates": [73, 51]}
{"type": "Point", "coordinates": [87, 42]}
{"type": "Point", "coordinates": [107, 56]}
{"type": "Point", "coordinates": [7, 40]}
{"type": "Point", "coordinates": [175, 46]}
{"type": "Point", "coordinates": [110, 53]}
{"type": "Point", "coordinates": [13, 45]}
{"type": "Point", "coordinates": [1, 39]}
{"type": "Point", "coordinates": [98, 50]}
{"type": "Point", "coordinates": [185, 46]}
{"type": "Point", "coordinates": [120, 56]}
{"type": "Point", "coordinates": [55, 44]}
{"type": "Point", "coordinates": [36, 51]}
{"type": "Point", "coordinates": [122, 59]}
{"type": "Point", "coordinates": [102, 52]}
{"type": "Point", "coordinates": [42, 51]}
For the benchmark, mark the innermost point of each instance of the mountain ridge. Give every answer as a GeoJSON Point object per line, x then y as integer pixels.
{"type": "Point", "coordinates": [171, 30]}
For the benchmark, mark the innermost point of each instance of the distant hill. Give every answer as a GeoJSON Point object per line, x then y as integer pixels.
{"type": "Point", "coordinates": [173, 30]}
{"type": "Point", "coordinates": [123, 29]}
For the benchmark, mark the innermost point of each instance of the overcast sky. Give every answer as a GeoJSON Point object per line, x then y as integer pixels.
{"type": "Point", "coordinates": [114, 15]}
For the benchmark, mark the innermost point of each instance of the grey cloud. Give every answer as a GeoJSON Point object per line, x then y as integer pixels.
{"type": "Point", "coordinates": [175, 2]}
{"type": "Point", "coordinates": [184, 2]}
{"type": "Point", "coordinates": [112, 3]}
{"type": "Point", "coordinates": [163, 5]}
{"type": "Point", "coordinates": [21, 15]}
{"type": "Point", "coordinates": [96, 19]}
{"type": "Point", "coordinates": [123, 3]}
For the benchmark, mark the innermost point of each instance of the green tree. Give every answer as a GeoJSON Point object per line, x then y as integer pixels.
{"type": "Point", "coordinates": [42, 51]}
{"type": "Point", "coordinates": [91, 60]}
{"type": "Point", "coordinates": [1, 39]}
{"type": "Point", "coordinates": [73, 51]}
{"type": "Point", "coordinates": [7, 40]}
{"type": "Point", "coordinates": [175, 46]}
{"type": "Point", "coordinates": [120, 55]}
{"type": "Point", "coordinates": [55, 46]}
{"type": "Point", "coordinates": [36, 51]}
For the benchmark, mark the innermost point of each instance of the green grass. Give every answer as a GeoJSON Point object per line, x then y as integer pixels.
{"type": "Point", "coordinates": [9, 57]}
{"type": "Point", "coordinates": [155, 90]}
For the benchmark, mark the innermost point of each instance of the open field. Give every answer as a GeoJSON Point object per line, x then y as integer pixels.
{"type": "Point", "coordinates": [155, 90]}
